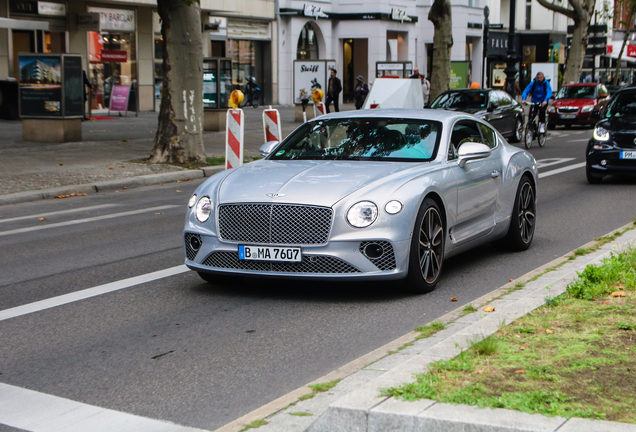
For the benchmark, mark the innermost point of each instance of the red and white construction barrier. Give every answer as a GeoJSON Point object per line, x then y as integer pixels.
{"type": "Point", "coordinates": [319, 109]}
{"type": "Point", "coordinates": [235, 123]}
{"type": "Point", "coordinates": [271, 125]}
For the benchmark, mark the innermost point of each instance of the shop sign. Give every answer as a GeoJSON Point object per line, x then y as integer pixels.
{"type": "Point", "coordinates": [497, 44]}
{"type": "Point", "coordinates": [89, 22]}
{"type": "Point", "coordinates": [115, 19]}
{"type": "Point", "coordinates": [114, 56]}
{"type": "Point", "coordinates": [24, 7]}
{"type": "Point", "coordinates": [399, 15]}
{"type": "Point", "coordinates": [459, 75]}
{"type": "Point", "coordinates": [631, 50]}
{"type": "Point", "coordinates": [390, 66]}
{"type": "Point", "coordinates": [314, 11]}
{"type": "Point", "coordinates": [309, 75]}
{"type": "Point", "coordinates": [55, 9]}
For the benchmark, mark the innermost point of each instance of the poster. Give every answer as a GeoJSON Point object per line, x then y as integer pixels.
{"type": "Point", "coordinates": [309, 75]}
{"type": "Point", "coordinates": [458, 75]}
{"type": "Point", "coordinates": [119, 98]}
{"type": "Point", "coordinates": [498, 78]}
{"type": "Point", "coordinates": [40, 85]}
{"type": "Point", "coordinates": [73, 86]}
{"type": "Point", "coordinates": [209, 89]}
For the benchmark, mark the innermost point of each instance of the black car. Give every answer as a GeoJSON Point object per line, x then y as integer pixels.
{"type": "Point", "coordinates": [612, 149]}
{"type": "Point", "coordinates": [495, 106]}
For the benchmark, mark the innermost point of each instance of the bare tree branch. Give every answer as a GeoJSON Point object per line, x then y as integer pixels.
{"type": "Point", "coordinates": [570, 13]}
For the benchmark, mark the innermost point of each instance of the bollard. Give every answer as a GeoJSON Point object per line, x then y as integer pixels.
{"type": "Point", "coordinates": [271, 125]}
{"type": "Point", "coordinates": [319, 109]}
{"type": "Point", "coordinates": [234, 138]}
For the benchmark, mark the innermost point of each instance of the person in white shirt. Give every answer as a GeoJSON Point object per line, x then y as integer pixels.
{"type": "Point", "coordinates": [426, 88]}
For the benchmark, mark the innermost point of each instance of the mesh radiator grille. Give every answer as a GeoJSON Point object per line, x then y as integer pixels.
{"type": "Point", "coordinates": [310, 264]}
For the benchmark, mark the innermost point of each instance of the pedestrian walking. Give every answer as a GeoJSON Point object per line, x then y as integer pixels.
{"type": "Point", "coordinates": [359, 92]}
{"type": "Point", "coordinates": [426, 88]}
{"type": "Point", "coordinates": [334, 87]}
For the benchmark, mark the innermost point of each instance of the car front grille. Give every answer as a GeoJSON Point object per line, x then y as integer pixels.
{"type": "Point", "coordinates": [274, 223]}
{"type": "Point", "coordinates": [386, 261]}
{"type": "Point", "coordinates": [621, 165]}
{"type": "Point", "coordinates": [317, 264]}
{"type": "Point", "coordinates": [567, 110]}
{"type": "Point", "coordinates": [624, 140]}
{"type": "Point", "coordinates": [191, 253]}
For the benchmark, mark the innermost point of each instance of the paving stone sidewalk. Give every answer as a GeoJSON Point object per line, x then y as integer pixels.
{"type": "Point", "coordinates": [356, 404]}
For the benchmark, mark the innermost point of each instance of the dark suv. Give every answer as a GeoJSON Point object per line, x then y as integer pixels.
{"type": "Point", "coordinates": [612, 149]}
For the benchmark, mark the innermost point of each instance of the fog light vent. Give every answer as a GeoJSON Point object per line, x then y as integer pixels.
{"type": "Point", "coordinates": [380, 253]}
{"type": "Point", "coordinates": [193, 243]}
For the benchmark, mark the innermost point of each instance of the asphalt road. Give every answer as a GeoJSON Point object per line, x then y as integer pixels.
{"type": "Point", "coordinates": [181, 350]}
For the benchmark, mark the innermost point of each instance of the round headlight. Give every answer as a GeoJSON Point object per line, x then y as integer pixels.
{"type": "Point", "coordinates": [193, 200]}
{"type": "Point", "coordinates": [601, 134]}
{"type": "Point", "coordinates": [393, 207]}
{"type": "Point", "coordinates": [362, 214]}
{"type": "Point", "coordinates": [203, 209]}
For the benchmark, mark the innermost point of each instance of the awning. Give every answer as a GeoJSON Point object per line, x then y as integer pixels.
{"type": "Point", "coordinates": [616, 49]}
{"type": "Point", "coordinates": [8, 23]}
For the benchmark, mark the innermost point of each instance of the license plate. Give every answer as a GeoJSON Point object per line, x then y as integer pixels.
{"type": "Point", "coordinates": [628, 155]}
{"type": "Point", "coordinates": [270, 253]}
{"type": "Point", "coordinates": [568, 116]}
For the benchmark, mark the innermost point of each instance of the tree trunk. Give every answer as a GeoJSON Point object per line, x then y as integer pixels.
{"type": "Point", "coordinates": [581, 12]}
{"type": "Point", "coordinates": [441, 17]}
{"type": "Point", "coordinates": [179, 134]}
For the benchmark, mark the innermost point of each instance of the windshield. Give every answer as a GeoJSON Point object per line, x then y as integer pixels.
{"type": "Point", "coordinates": [623, 104]}
{"type": "Point", "coordinates": [363, 139]}
{"type": "Point", "coordinates": [576, 92]}
{"type": "Point", "coordinates": [461, 100]}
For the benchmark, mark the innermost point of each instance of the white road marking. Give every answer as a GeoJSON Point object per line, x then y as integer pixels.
{"type": "Point", "coordinates": [561, 170]}
{"type": "Point", "coordinates": [74, 210]}
{"type": "Point", "coordinates": [542, 163]}
{"type": "Point", "coordinates": [40, 412]}
{"type": "Point", "coordinates": [81, 221]}
{"type": "Point", "coordinates": [87, 293]}
{"type": "Point", "coordinates": [579, 140]}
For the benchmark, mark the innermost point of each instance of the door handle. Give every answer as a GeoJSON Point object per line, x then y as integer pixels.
{"type": "Point", "coordinates": [494, 174]}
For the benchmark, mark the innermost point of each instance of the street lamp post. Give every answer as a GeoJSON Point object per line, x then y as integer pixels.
{"type": "Point", "coordinates": [485, 53]}
{"type": "Point", "coordinates": [511, 54]}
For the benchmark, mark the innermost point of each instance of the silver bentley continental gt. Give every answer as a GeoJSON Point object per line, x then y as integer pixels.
{"type": "Point", "coordinates": [380, 194]}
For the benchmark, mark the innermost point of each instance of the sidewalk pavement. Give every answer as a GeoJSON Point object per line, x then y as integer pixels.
{"type": "Point", "coordinates": [356, 403]}
{"type": "Point", "coordinates": [31, 171]}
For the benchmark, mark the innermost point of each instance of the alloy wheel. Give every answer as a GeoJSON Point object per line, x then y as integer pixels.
{"type": "Point", "coordinates": [526, 211]}
{"type": "Point", "coordinates": [431, 243]}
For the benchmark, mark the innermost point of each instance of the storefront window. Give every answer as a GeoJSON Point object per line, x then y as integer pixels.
{"type": "Point", "coordinates": [112, 53]}
{"type": "Point", "coordinates": [158, 75]}
{"type": "Point", "coordinates": [243, 55]}
{"type": "Point", "coordinates": [307, 44]}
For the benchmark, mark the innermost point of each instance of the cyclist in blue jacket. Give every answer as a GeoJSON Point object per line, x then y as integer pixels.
{"type": "Point", "coordinates": [541, 92]}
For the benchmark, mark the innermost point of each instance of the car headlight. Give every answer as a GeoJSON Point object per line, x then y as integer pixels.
{"type": "Point", "coordinates": [193, 200]}
{"type": "Point", "coordinates": [393, 207]}
{"type": "Point", "coordinates": [203, 209]}
{"type": "Point", "coordinates": [587, 108]}
{"type": "Point", "coordinates": [362, 214]}
{"type": "Point", "coordinates": [601, 134]}
{"type": "Point", "coordinates": [550, 109]}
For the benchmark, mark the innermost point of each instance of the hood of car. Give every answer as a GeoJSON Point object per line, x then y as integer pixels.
{"type": "Point", "coordinates": [623, 125]}
{"type": "Point", "coordinates": [574, 102]}
{"type": "Point", "coordinates": [321, 183]}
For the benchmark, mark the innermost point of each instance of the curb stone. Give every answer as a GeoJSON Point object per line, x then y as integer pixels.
{"type": "Point", "coordinates": [110, 185]}
{"type": "Point", "coordinates": [364, 409]}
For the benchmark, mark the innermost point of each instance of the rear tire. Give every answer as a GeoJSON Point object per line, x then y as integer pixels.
{"type": "Point", "coordinates": [517, 134]}
{"type": "Point", "coordinates": [522, 221]}
{"type": "Point", "coordinates": [591, 178]}
{"type": "Point", "coordinates": [426, 255]}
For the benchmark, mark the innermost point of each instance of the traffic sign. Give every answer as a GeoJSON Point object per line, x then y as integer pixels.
{"type": "Point", "coordinates": [592, 51]}
{"type": "Point", "coordinates": [597, 40]}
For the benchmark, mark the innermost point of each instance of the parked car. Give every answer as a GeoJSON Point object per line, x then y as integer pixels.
{"type": "Point", "coordinates": [364, 195]}
{"type": "Point", "coordinates": [574, 103]}
{"type": "Point", "coordinates": [612, 149]}
{"type": "Point", "coordinates": [495, 106]}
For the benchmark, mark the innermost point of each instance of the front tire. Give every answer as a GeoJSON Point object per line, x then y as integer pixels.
{"type": "Point", "coordinates": [522, 221]}
{"type": "Point", "coordinates": [541, 139]}
{"type": "Point", "coordinates": [426, 256]}
{"type": "Point", "coordinates": [529, 136]}
{"type": "Point", "coordinates": [518, 132]}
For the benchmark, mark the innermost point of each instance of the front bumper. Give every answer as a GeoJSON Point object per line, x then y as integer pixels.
{"type": "Point", "coordinates": [339, 260]}
{"type": "Point", "coordinates": [580, 119]}
{"type": "Point", "coordinates": [608, 161]}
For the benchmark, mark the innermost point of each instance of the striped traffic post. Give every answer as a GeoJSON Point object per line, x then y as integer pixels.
{"type": "Point", "coordinates": [271, 125]}
{"type": "Point", "coordinates": [235, 123]}
{"type": "Point", "coordinates": [319, 109]}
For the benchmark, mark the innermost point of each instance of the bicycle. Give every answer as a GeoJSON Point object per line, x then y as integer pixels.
{"type": "Point", "coordinates": [532, 127]}
{"type": "Point", "coordinates": [252, 93]}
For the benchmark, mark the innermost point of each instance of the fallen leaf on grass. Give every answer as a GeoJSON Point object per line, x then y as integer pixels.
{"type": "Point", "coordinates": [479, 372]}
{"type": "Point", "coordinates": [489, 309]}
{"type": "Point", "coordinates": [160, 184]}
{"type": "Point", "coordinates": [520, 371]}
{"type": "Point", "coordinates": [42, 219]}
{"type": "Point", "coordinates": [61, 164]}
{"type": "Point", "coordinates": [511, 280]}
{"type": "Point", "coordinates": [178, 181]}
{"type": "Point", "coordinates": [453, 298]}
{"type": "Point", "coordinates": [618, 294]}
{"type": "Point", "coordinates": [111, 167]}
{"type": "Point", "coordinates": [125, 187]}
{"type": "Point", "coordinates": [549, 331]}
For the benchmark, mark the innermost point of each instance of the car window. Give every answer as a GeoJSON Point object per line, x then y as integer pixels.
{"type": "Point", "coordinates": [461, 100]}
{"type": "Point", "coordinates": [494, 98]}
{"type": "Point", "coordinates": [577, 92]}
{"type": "Point", "coordinates": [489, 136]}
{"type": "Point", "coordinates": [363, 139]}
{"type": "Point", "coordinates": [623, 104]}
{"type": "Point", "coordinates": [464, 131]}
{"type": "Point", "coordinates": [504, 98]}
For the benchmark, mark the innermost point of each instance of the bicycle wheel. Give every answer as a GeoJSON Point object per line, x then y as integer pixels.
{"type": "Point", "coordinates": [541, 139]}
{"type": "Point", "coordinates": [528, 136]}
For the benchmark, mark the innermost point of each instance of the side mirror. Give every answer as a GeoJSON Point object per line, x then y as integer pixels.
{"type": "Point", "coordinates": [472, 151]}
{"type": "Point", "coordinates": [267, 148]}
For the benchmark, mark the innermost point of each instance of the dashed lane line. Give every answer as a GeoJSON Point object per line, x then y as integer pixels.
{"type": "Point", "coordinates": [561, 170]}
{"type": "Point", "coordinates": [40, 412]}
{"type": "Point", "coordinates": [89, 292]}
{"type": "Point", "coordinates": [87, 220]}
{"type": "Point", "coordinates": [55, 213]}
